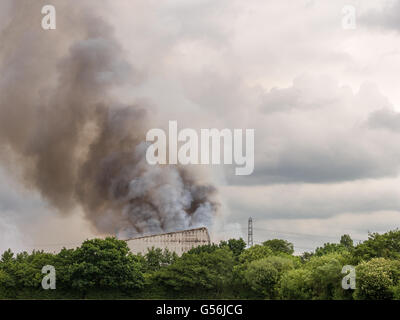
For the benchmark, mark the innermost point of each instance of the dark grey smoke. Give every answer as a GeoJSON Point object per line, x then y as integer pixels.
{"type": "Point", "coordinates": [75, 143]}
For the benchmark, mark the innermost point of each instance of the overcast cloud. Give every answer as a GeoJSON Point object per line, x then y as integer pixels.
{"type": "Point", "coordinates": [324, 102]}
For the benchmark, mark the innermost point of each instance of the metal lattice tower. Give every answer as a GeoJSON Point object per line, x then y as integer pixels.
{"type": "Point", "coordinates": [250, 233]}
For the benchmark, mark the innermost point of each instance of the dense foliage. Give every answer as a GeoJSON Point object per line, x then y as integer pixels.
{"type": "Point", "coordinates": [105, 268]}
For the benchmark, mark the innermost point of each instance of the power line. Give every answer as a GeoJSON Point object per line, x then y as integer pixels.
{"type": "Point", "coordinates": [301, 234]}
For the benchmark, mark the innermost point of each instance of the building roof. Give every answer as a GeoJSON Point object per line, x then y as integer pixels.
{"type": "Point", "coordinates": [168, 233]}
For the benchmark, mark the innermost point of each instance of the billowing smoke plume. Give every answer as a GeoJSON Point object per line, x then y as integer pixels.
{"type": "Point", "coordinates": [75, 143]}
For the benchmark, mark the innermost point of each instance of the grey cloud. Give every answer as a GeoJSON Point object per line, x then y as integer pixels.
{"type": "Point", "coordinates": [318, 167]}
{"type": "Point", "coordinates": [301, 201]}
{"type": "Point", "coordinates": [302, 95]}
{"type": "Point", "coordinates": [387, 17]}
{"type": "Point", "coordinates": [198, 21]}
{"type": "Point", "coordinates": [204, 62]}
{"type": "Point", "coordinates": [385, 119]}
{"type": "Point", "coordinates": [314, 131]}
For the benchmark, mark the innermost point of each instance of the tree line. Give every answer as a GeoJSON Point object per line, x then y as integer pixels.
{"type": "Point", "coordinates": [107, 269]}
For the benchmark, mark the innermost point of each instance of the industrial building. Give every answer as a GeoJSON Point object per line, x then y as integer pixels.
{"type": "Point", "coordinates": [178, 242]}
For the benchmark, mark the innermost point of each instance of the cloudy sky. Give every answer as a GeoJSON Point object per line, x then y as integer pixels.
{"type": "Point", "coordinates": [323, 100]}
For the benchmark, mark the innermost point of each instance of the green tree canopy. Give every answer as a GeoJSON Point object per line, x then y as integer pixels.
{"type": "Point", "coordinates": [264, 275]}
{"type": "Point", "coordinates": [105, 263]}
{"type": "Point", "coordinates": [377, 278]}
{"type": "Point", "coordinates": [203, 271]}
{"type": "Point", "coordinates": [346, 241]}
{"type": "Point", "coordinates": [156, 258]}
{"type": "Point", "coordinates": [255, 252]}
{"type": "Point", "coordinates": [279, 245]}
{"type": "Point", "coordinates": [237, 246]}
{"type": "Point", "coordinates": [385, 245]}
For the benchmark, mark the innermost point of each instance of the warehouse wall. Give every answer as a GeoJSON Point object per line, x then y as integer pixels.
{"type": "Point", "coordinates": [179, 242]}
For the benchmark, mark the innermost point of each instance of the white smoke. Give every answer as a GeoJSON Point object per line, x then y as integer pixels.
{"type": "Point", "coordinates": [163, 199]}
